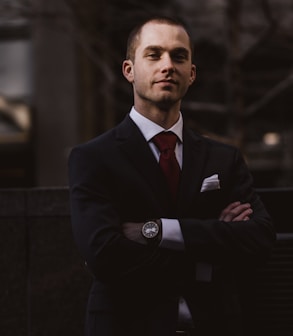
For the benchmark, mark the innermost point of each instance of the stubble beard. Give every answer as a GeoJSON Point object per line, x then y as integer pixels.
{"type": "Point", "coordinates": [162, 101]}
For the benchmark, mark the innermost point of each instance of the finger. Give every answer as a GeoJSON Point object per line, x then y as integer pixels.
{"type": "Point", "coordinates": [236, 213]}
{"type": "Point", "coordinates": [231, 206]}
{"type": "Point", "coordinates": [240, 208]}
{"type": "Point", "coordinates": [244, 215]}
{"type": "Point", "coordinates": [228, 209]}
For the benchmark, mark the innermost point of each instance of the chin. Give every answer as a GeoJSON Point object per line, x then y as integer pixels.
{"type": "Point", "coordinates": [166, 104]}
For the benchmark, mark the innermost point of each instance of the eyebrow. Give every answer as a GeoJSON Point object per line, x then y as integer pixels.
{"type": "Point", "coordinates": [153, 48]}
{"type": "Point", "coordinates": [159, 48]}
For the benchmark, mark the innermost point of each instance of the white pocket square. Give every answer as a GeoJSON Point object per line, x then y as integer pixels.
{"type": "Point", "coordinates": [210, 183]}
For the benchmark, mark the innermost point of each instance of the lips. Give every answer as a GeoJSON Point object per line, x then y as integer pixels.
{"type": "Point", "coordinates": [167, 81]}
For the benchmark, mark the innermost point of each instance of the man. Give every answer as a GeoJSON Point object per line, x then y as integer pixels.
{"type": "Point", "coordinates": [201, 234]}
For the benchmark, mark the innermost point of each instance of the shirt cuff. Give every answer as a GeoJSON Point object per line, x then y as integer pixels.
{"type": "Point", "coordinates": [172, 237]}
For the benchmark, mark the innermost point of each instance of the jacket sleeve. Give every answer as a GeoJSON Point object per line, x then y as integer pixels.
{"type": "Point", "coordinates": [96, 225]}
{"type": "Point", "coordinates": [212, 240]}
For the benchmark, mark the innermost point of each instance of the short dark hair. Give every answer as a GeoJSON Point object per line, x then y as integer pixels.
{"type": "Point", "coordinates": [133, 37]}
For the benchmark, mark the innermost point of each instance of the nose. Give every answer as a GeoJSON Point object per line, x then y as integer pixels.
{"type": "Point", "coordinates": [167, 64]}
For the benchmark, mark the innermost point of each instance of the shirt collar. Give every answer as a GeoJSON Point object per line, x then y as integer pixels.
{"type": "Point", "coordinates": [149, 129]}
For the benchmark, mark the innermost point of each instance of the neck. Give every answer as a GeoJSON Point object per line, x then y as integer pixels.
{"type": "Point", "coordinates": [166, 118]}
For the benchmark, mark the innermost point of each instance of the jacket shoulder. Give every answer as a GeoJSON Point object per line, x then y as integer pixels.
{"type": "Point", "coordinates": [211, 143]}
{"type": "Point", "coordinates": [103, 139]}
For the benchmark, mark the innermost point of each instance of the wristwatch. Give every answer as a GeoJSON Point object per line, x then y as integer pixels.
{"type": "Point", "coordinates": [150, 229]}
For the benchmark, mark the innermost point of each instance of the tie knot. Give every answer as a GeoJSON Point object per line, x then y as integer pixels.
{"type": "Point", "coordinates": [165, 141]}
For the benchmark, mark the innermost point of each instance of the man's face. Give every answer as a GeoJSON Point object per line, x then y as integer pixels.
{"type": "Point", "coordinates": [162, 70]}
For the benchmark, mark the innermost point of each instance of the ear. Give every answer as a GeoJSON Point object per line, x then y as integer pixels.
{"type": "Point", "coordinates": [127, 69]}
{"type": "Point", "coordinates": [192, 74]}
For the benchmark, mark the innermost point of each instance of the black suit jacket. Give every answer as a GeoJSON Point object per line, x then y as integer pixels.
{"type": "Point", "coordinates": [115, 178]}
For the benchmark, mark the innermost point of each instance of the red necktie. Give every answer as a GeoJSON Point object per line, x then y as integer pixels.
{"type": "Point", "coordinates": [166, 142]}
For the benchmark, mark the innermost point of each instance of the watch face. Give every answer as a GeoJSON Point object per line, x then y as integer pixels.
{"type": "Point", "coordinates": [150, 229]}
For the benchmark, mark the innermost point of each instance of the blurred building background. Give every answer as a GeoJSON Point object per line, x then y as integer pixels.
{"type": "Point", "coordinates": [61, 80]}
{"type": "Point", "coordinates": [61, 84]}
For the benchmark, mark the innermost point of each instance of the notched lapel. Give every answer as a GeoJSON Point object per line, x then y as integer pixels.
{"type": "Point", "coordinates": [137, 150]}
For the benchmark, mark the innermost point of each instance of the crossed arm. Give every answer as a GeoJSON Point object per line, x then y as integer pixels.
{"type": "Point", "coordinates": [234, 212]}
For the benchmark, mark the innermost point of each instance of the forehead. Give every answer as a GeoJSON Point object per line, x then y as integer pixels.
{"type": "Point", "coordinates": [164, 35]}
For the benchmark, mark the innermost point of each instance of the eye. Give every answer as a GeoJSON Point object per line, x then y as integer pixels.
{"type": "Point", "coordinates": [180, 57]}
{"type": "Point", "coordinates": [154, 55]}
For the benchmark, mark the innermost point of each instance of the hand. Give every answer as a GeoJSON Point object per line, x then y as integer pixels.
{"type": "Point", "coordinates": [235, 212]}
{"type": "Point", "coordinates": [132, 231]}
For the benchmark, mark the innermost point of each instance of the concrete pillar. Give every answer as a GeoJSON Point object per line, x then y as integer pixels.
{"type": "Point", "coordinates": [55, 91]}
